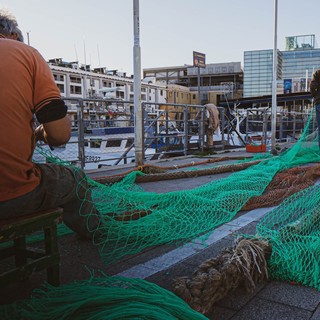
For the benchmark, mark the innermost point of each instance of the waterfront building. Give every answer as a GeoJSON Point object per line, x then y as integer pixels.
{"type": "Point", "coordinates": [80, 82]}
{"type": "Point", "coordinates": [294, 71]}
{"type": "Point", "coordinates": [83, 83]}
{"type": "Point", "coordinates": [300, 60]}
{"type": "Point", "coordinates": [222, 81]}
{"type": "Point", "coordinates": [258, 72]}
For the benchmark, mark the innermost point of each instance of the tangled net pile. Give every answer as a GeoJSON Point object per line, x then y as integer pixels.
{"type": "Point", "coordinates": [102, 298]}
{"type": "Point", "coordinates": [133, 219]}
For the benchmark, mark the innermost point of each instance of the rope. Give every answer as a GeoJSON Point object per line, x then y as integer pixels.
{"type": "Point", "coordinates": [150, 169]}
{"type": "Point", "coordinates": [179, 174]}
{"type": "Point", "coordinates": [245, 264]}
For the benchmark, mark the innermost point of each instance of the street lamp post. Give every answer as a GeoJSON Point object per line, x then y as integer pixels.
{"type": "Point", "coordinates": [274, 83]}
{"type": "Point", "coordinates": [138, 116]}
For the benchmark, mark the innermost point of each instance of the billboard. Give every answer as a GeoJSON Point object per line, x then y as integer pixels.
{"type": "Point", "coordinates": [199, 59]}
{"type": "Point", "coordinates": [296, 85]}
{"type": "Point", "coordinates": [287, 86]}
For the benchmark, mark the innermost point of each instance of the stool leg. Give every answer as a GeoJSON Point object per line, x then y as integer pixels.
{"type": "Point", "coordinates": [51, 246]}
{"type": "Point", "coordinates": [20, 251]}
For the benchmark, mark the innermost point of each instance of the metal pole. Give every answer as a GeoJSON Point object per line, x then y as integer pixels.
{"type": "Point", "coordinates": [138, 132]}
{"type": "Point", "coordinates": [28, 37]}
{"type": "Point", "coordinates": [274, 83]}
{"type": "Point", "coordinates": [199, 100]}
{"type": "Point", "coordinates": [81, 149]}
{"type": "Point", "coordinates": [201, 131]}
{"type": "Point", "coordinates": [186, 130]}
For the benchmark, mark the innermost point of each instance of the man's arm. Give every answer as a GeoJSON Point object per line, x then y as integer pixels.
{"type": "Point", "coordinates": [54, 133]}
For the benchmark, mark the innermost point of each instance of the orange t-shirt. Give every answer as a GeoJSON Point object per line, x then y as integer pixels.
{"type": "Point", "coordinates": [26, 86]}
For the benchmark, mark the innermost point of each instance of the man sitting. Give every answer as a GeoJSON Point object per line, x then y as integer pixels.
{"type": "Point", "coordinates": [28, 89]}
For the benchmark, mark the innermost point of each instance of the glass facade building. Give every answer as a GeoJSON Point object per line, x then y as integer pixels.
{"type": "Point", "coordinates": [298, 67]}
{"type": "Point", "coordinates": [258, 72]}
{"type": "Point", "coordinates": [295, 67]}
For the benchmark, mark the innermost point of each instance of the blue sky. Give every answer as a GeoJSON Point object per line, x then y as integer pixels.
{"type": "Point", "coordinates": [170, 30]}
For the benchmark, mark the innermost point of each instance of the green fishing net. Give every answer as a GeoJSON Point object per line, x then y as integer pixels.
{"type": "Point", "coordinates": [133, 219]}
{"type": "Point", "coordinates": [293, 229]}
{"type": "Point", "coordinates": [102, 298]}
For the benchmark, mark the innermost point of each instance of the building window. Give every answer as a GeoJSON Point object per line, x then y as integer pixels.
{"type": "Point", "coordinates": [61, 87]}
{"type": "Point", "coordinates": [107, 84]}
{"type": "Point", "coordinates": [161, 92]}
{"type": "Point", "coordinates": [75, 90]}
{"type": "Point", "coordinates": [120, 95]}
{"type": "Point", "coordinates": [58, 77]}
{"type": "Point", "coordinates": [75, 79]}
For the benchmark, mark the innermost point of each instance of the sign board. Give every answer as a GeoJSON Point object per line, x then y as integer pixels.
{"type": "Point", "coordinates": [287, 86]}
{"type": "Point", "coordinates": [199, 59]}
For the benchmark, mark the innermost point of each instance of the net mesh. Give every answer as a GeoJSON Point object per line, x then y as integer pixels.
{"type": "Point", "coordinates": [102, 298]}
{"type": "Point", "coordinates": [132, 219]}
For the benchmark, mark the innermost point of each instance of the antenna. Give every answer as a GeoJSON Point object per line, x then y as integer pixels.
{"type": "Point", "coordinates": [75, 50]}
{"type": "Point", "coordinates": [98, 55]}
{"type": "Point", "coordinates": [84, 51]}
{"type": "Point", "coordinates": [28, 37]}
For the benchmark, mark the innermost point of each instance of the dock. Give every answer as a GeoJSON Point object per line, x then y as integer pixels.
{"type": "Point", "coordinates": [272, 299]}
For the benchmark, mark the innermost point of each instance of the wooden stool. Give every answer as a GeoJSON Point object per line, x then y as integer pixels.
{"type": "Point", "coordinates": [16, 230]}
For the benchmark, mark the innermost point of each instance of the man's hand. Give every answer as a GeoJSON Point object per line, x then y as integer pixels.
{"type": "Point", "coordinates": [40, 134]}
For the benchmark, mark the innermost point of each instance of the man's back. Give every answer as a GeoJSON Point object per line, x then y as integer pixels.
{"type": "Point", "coordinates": [28, 89]}
{"type": "Point", "coordinates": [26, 85]}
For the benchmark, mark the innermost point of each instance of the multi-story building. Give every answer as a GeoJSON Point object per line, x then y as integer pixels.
{"type": "Point", "coordinates": [300, 60]}
{"type": "Point", "coordinates": [258, 72]}
{"type": "Point", "coordinates": [295, 66]}
{"type": "Point", "coordinates": [222, 80]}
{"type": "Point", "coordinates": [75, 82]}
{"type": "Point", "coordinates": [81, 83]}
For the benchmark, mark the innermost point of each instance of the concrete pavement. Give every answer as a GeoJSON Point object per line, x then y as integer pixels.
{"type": "Point", "coordinates": [273, 300]}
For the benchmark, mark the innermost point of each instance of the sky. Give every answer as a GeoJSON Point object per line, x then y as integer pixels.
{"type": "Point", "coordinates": [100, 32]}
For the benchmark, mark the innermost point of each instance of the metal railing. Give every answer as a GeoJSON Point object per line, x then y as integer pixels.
{"type": "Point", "coordinates": [289, 125]}
{"type": "Point", "coordinates": [103, 132]}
